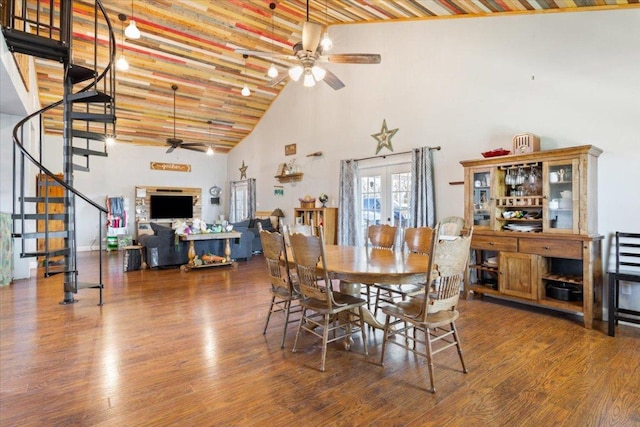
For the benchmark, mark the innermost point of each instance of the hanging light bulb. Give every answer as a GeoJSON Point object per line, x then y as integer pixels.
{"type": "Point", "coordinates": [121, 63]}
{"type": "Point", "coordinates": [309, 81]}
{"type": "Point", "coordinates": [326, 42]}
{"type": "Point", "coordinates": [132, 31]}
{"type": "Point", "coordinates": [110, 141]}
{"type": "Point", "coordinates": [245, 90]}
{"type": "Point", "coordinates": [318, 73]}
{"type": "Point", "coordinates": [296, 72]}
{"type": "Point", "coordinates": [210, 149]}
{"type": "Point", "coordinates": [272, 72]}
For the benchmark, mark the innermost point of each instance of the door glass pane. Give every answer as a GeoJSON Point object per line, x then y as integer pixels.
{"type": "Point", "coordinates": [481, 197]}
{"type": "Point", "coordinates": [400, 194]}
{"type": "Point", "coordinates": [370, 187]}
{"type": "Point", "coordinates": [561, 196]}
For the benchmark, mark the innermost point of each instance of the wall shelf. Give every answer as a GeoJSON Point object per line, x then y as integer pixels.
{"type": "Point", "coordinates": [292, 177]}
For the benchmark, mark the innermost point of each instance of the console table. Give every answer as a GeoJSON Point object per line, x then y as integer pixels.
{"type": "Point", "coordinates": [191, 238]}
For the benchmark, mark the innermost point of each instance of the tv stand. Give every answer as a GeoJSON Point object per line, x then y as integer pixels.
{"type": "Point", "coordinates": [143, 200]}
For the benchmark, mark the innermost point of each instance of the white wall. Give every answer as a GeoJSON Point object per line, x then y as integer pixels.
{"type": "Point", "coordinates": [467, 85]}
{"type": "Point", "coordinates": [128, 166]}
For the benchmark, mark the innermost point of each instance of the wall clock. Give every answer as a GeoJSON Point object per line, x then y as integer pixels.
{"type": "Point", "coordinates": [215, 192]}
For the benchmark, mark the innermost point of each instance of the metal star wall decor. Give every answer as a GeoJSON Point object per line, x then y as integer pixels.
{"type": "Point", "coordinates": [243, 171]}
{"type": "Point", "coordinates": [384, 137]}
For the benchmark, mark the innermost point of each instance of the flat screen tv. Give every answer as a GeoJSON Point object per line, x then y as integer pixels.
{"type": "Point", "coordinates": [171, 207]}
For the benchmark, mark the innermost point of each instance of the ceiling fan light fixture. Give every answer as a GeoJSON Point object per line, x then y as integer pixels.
{"type": "Point", "coordinates": [245, 90]}
{"type": "Point", "coordinates": [272, 72]}
{"type": "Point", "coordinates": [296, 72]}
{"type": "Point", "coordinates": [309, 81]}
{"type": "Point", "coordinates": [318, 73]}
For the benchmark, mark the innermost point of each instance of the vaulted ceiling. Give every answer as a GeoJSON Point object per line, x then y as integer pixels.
{"type": "Point", "coordinates": [192, 43]}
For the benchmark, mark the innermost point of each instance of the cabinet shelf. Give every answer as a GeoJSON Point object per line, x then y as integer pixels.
{"type": "Point", "coordinates": [576, 280]}
{"type": "Point", "coordinates": [292, 177]}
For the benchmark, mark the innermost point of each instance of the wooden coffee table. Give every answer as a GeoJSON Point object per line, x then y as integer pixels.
{"type": "Point", "coordinates": [191, 238]}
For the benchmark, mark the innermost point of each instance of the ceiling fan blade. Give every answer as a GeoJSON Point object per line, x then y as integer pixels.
{"type": "Point", "coordinates": [174, 141]}
{"type": "Point", "coordinates": [277, 80]}
{"type": "Point", "coordinates": [311, 32]}
{"type": "Point", "coordinates": [262, 54]}
{"type": "Point", "coordinates": [171, 149]}
{"type": "Point", "coordinates": [352, 58]}
{"type": "Point", "coordinates": [333, 80]}
{"type": "Point", "coordinates": [192, 147]}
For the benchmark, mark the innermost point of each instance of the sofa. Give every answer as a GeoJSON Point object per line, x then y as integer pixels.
{"type": "Point", "coordinates": [252, 226]}
{"type": "Point", "coordinates": [163, 249]}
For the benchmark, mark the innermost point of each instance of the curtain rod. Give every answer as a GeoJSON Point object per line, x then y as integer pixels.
{"type": "Point", "coordinates": [393, 154]}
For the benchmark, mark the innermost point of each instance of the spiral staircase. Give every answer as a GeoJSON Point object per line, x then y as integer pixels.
{"type": "Point", "coordinates": [44, 29]}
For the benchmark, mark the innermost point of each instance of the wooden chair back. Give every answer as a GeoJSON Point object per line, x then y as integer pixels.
{"type": "Point", "coordinates": [308, 253]}
{"type": "Point", "coordinates": [451, 226]}
{"type": "Point", "coordinates": [381, 236]}
{"type": "Point", "coordinates": [447, 267]}
{"type": "Point", "coordinates": [273, 249]}
{"type": "Point", "coordinates": [419, 239]}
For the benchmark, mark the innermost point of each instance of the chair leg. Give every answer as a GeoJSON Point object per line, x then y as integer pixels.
{"type": "Point", "coordinates": [302, 319]}
{"type": "Point", "coordinates": [456, 337]}
{"type": "Point", "coordinates": [273, 298]}
{"type": "Point", "coordinates": [325, 338]}
{"type": "Point", "coordinates": [430, 360]}
{"type": "Point", "coordinates": [364, 334]}
{"type": "Point", "coordinates": [287, 308]}
{"type": "Point", "coordinates": [612, 305]}
{"type": "Point", "coordinates": [384, 339]}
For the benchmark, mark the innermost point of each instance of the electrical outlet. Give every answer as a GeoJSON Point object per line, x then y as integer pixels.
{"type": "Point", "coordinates": [625, 288]}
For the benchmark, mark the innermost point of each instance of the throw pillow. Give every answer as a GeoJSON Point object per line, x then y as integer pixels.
{"type": "Point", "coordinates": [266, 224]}
{"type": "Point", "coordinates": [242, 224]}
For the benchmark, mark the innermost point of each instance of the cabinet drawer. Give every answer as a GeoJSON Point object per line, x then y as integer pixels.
{"type": "Point", "coordinates": [552, 248]}
{"type": "Point", "coordinates": [493, 243]}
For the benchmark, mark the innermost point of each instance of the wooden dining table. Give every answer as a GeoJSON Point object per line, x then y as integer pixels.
{"type": "Point", "coordinates": [356, 265]}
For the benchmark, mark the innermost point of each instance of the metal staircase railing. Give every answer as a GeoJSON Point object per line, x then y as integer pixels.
{"type": "Point", "coordinates": [44, 29]}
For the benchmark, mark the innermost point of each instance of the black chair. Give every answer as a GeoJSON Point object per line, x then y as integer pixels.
{"type": "Point", "coordinates": [627, 269]}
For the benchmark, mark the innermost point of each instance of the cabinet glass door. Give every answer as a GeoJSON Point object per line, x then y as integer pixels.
{"type": "Point", "coordinates": [561, 178]}
{"type": "Point", "coordinates": [482, 181]}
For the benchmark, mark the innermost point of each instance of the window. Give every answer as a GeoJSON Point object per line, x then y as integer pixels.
{"type": "Point", "coordinates": [239, 207]}
{"type": "Point", "coordinates": [384, 195]}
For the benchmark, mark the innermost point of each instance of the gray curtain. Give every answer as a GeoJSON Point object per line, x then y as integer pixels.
{"type": "Point", "coordinates": [423, 205]}
{"type": "Point", "coordinates": [251, 197]}
{"type": "Point", "coordinates": [347, 219]}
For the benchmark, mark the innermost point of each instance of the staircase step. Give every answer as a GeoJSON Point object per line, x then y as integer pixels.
{"type": "Point", "coordinates": [57, 252]}
{"type": "Point", "coordinates": [79, 73]}
{"type": "Point", "coordinates": [90, 96]}
{"type": "Point", "coordinates": [86, 152]}
{"type": "Point", "coordinates": [80, 168]}
{"type": "Point", "coordinates": [87, 285]}
{"type": "Point", "coordinates": [94, 117]}
{"type": "Point", "coordinates": [35, 45]}
{"type": "Point", "coordinates": [41, 234]}
{"type": "Point", "coordinates": [95, 136]}
{"type": "Point", "coordinates": [42, 199]}
{"type": "Point", "coordinates": [41, 216]}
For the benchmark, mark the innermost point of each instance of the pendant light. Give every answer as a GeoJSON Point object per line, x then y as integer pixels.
{"type": "Point", "coordinates": [326, 42]}
{"type": "Point", "coordinates": [245, 90]}
{"type": "Point", "coordinates": [273, 71]}
{"type": "Point", "coordinates": [210, 151]}
{"type": "Point", "coordinates": [121, 63]}
{"type": "Point", "coordinates": [132, 31]}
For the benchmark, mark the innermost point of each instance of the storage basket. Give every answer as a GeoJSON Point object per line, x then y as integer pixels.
{"type": "Point", "coordinates": [307, 205]}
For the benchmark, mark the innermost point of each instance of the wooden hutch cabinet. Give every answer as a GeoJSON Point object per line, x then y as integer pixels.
{"type": "Point", "coordinates": [535, 237]}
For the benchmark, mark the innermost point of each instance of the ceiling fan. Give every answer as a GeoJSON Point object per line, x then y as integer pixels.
{"type": "Point", "coordinates": [308, 53]}
{"type": "Point", "coordinates": [177, 142]}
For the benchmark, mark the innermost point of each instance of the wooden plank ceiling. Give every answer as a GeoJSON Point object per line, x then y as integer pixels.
{"type": "Point", "coordinates": [191, 43]}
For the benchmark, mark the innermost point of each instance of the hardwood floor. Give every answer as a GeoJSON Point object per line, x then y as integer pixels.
{"type": "Point", "coordinates": [186, 349]}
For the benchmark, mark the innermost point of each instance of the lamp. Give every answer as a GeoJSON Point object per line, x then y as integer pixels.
{"type": "Point", "coordinates": [308, 81]}
{"type": "Point", "coordinates": [326, 42]}
{"type": "Point", "coordinates": [245, 90]}
{"type": "Point", "coordinates": [132, 32]}
{"type": "Point", "coordinates": [121, 63]}
{"type": "Point", "coordinates": [277, 212]}
{"type": "Point", "coordinates": [296, 72]}
{"type": "Point", "coordinates": [210, 151]}
{"type": "Point", "coordinates": [273, 71]}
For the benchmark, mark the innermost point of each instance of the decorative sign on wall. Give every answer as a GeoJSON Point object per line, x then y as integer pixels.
{"type": "Point", "coordinates": [290, 149]}
{"type": "Point", "coordinates": [384, 137]}
{"type": "Point", "coordinates": [175, 167]}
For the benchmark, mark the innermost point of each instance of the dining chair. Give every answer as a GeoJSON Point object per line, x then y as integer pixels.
{"type": "Point", "coordinates": [416, 240]}
{"type": "Point", "coordinates": [626, 269]}
{"type": "Point", "coordinates": [379, 236]}
{"type": "Point", "coordinates": [322, 307]}
{"type": "Point", "coordinates": [433, 312]}
{"type": "Point", "coordinates": [285, 296]}
{"type": "Point", "coordinates": [451, 226]}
